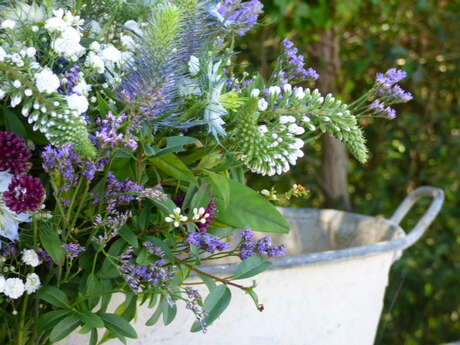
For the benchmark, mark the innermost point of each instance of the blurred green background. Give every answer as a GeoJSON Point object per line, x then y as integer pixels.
{"type": "Point", "coordinates": [420, 147]}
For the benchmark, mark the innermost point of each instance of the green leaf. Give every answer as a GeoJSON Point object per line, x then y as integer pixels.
{"type": "Point", "coordinates": [108, 269]}
{"type": "Point", "coordinates": [251, 267]}
{"type": "Point", "coordinates": [119, 325]}
{"type": "Point", "coordinates": [52, 243]}
{"type": "Point", "coordinates": [247, 208]}
{"type": "Point", "coordinates": [155, 317]}
{"type": "Point", "coordinates": [13, 123]}
{"type": "Point", "coordinates": [49, 319]}
{"type": "Point", "coordinates": [64, 327]}
{"type": "Point", "coordinates": [169, 311]}
{"type": "Point", "coordinates": [167, 206]}
{"type": "Point", "coordinates": [54, 296]}
{"type": "Point", "coordinates": [175, 144]}
{"type": "Point", "coordinates": [172, 166]}
{"type": "Point", "coordinates": [129, 236]}
{"type": "Point", "coordinates": [91, 320]}
{"type": "Point", "coordinates": [201, 198]}
{"type": "Point", "coordinates": [93, 286]}
{"type": "Point", "coordinates": [220, 187]}
{"type": "Point", "coordinates": [210, 283]}
{"type": "Point", "coordinates": [215, 304]}
{"type": "Point", "coordinates": [93, 339]}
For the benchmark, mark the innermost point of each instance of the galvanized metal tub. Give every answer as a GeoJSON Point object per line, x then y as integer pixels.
{"type": "Point", "coordinates": [329, 290]}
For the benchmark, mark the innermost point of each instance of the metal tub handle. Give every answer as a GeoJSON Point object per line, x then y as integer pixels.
{"type": "Point", "coordinates": [426, 220]}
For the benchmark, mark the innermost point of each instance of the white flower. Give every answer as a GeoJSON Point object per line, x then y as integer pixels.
{"type": "Point", "coordinates": [112, 54]}
{"type": "Point", "coordinates": [32, 283]}
{"type": "Point", "coordinates": [287, 88]}
{"type": "Point", "coordinates": [176, 218]}
{"type": "Point", "coordinates": [94, 61]}
{"type": "Point", "coordinates": [299, 93]}
{"type": "Point", "coordinates": [14, 288]}
{"type": "Point", "coordinates": [82, 88]}
{"type": "Point", "coordinates": [28, 92]}
{"type": "Point", "coordinates": [255, 93]}
{"type": "Point", "coordinates": [134, 27]}
{"type": "Point", "coordinates": [8, 24]}
{"type": "Point", "coordinates": [17, 84]}
{"type": "Point", "coordinates": [46, 81]}
{"type": "Point", "coordinates": [31, 51]}
{"type": "Point", "coordinates": [55, 24]}
{"type": "Point", "coordinates": [2, 283]}
{"type": "Point", "coordinates": [295, 129]}
{"type": "Point", "coordinates": [78, 103]}
{"type": "Point", "coordinates": [263, 129]}
{"type": "Point", "coordinates": [15, 100]}
{"type": "Point", "coordinates": [68, 48]}
{"type": "Point", "coordinates": [127, 42]}
{"type": "Point", "coordinates": [2, 54]}
{"type": "Point", "coordinates": [274, 91]}
{"type": "Point", "coordinates": [200, 215]}
{"type": "Point", "coordinates": [95, 46]}
{"type": "Point", "coordinates": [2, 94]}
{"type": "Point", "coordinates": [262, 104]}
{"type": "Point", "coordinates": [30, 257]}
{"type": "Point", "coordinates": [194, 65]}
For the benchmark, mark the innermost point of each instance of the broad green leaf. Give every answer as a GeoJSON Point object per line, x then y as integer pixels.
{"type": "Point", "coordinates": [251, 267]}
{"type": "Point", "coordinates": [167, 206]}
{"type": "Point", "coordinates": [13, 123]}
{"type": "Point", "coordinates": [220, 187]}
{"type": "Point", "coordinates": [64, 327]}
{"type": "Point", "coordinates": [52, 243]}
{"type": "Point", "coordinates": [172, 166]}
{"type": "Point", "coordinates": [210, 283]}
{"type": "Point", "coordinates": [201, 198]}
{"type": "Point", "coordinates": [247, 208]}
{"type": "Point", "coordinates": [215, 304]}
{"type": "Point", "coordinates": [91, 320]}
{"type": "Point", "coordinates": [54, 296]}
{"type": "Point", "coordinates": [108, 269]}
{"type": "Point", "coordinates": [119, 325]}
{"type": "Point", "coordinates": [129, 236]}
{"type": "Point", "coordinates": [51, 318]}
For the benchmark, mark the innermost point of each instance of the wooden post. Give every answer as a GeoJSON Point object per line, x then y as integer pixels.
{"type": "Point", "coordinates": [334, 162]}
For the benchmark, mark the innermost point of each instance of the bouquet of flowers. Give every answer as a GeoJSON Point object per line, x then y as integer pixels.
{"type": "Point", "coordinates": [126, 131]}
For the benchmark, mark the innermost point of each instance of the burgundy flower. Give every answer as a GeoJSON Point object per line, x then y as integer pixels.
{"type": "Point", "coordinates": [14, 153]}
{"type": "Point", "coordinates": [211, 210]}
{"type": "Point", "coordinates": [24, 194]}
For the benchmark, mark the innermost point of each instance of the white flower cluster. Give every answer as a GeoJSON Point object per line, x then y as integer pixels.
{"type": "Point", "coordinates": [271, 148]}
{"type": "Point", "coordinates": [14, 288]}
{"type": "Point", "coordinates": [64, 27]}
{"type": "Point", "coordinates": [177, 218]}
{"type": "Point", "coordinates": [200, 215]}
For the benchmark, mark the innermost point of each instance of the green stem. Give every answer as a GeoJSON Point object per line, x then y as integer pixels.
{"type": "Point", "coordinates": [222, 280]}
{"type": "Point", "coordinates": [22, 338]}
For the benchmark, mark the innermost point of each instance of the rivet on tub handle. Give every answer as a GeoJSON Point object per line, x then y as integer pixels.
{"type": "Point", "coordinates": [424, 222]}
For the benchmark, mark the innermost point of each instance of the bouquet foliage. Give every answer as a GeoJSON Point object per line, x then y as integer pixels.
{"type": "Point", "coordinates": [126, 131]}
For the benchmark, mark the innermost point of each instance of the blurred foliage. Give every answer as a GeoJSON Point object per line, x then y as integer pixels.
{"type": "Point", "coordinates": [420, 147]}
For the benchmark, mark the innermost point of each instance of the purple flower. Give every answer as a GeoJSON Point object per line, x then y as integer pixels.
{"type": "Point", "coordinates": [380, 108]}
{"type": "Point", "coordinates": [249, 247]}
{"type": "Point", "coordinates": [14, 154]}
{"type": "Point", "coordinates": [194, 303]}
{"type": "Point", "coordinates": [296, 64]}
{"type": "Point", "coordinates": [242, 15]}
{"type": "Point", "coordinates": [207, 242]}
{"type": "Point", "coordinates": [73, 250]}
{"type": "Point", "coordinates": [108, 135]}
{"type": "Point", "coordinates": [72, 78]}
{"type": "Point", "coordinates": [391, 77]}
{"type": "Point", "coordinates": [10, 250]}
{"type": "Point", "coordinates": [24, 194]}
{"type": "Point", "coordinates": [157, 274]}
{"type": "Point", "coordinates": [396, 94]}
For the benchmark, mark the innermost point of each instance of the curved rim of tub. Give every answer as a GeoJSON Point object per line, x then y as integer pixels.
{"type": "Point", "coordinates": [397, 245]}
